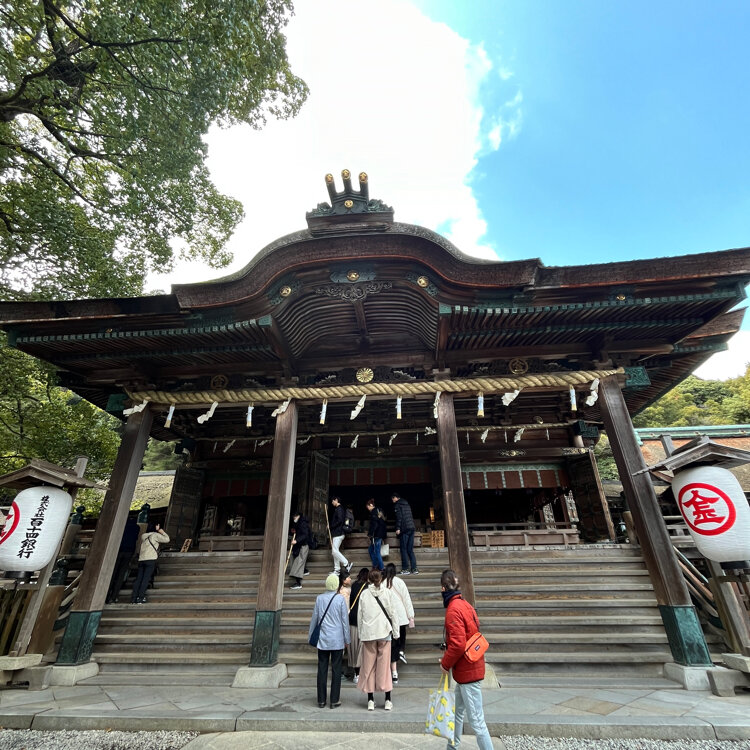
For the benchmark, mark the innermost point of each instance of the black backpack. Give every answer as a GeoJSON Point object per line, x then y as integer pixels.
{"type": "Point", "coordinates": [348, 521]}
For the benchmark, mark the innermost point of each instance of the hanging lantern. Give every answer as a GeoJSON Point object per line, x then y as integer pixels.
{"type": "Point", "coordinates": [715, 509]}
{"type": "Point", "coordinates": [34, 528]}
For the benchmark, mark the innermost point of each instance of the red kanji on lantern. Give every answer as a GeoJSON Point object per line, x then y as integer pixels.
{"type": "Point", "coordinates": [706, 509]}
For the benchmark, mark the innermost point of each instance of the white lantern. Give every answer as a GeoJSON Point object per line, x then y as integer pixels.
{"type": "Point", "coordinates": [715, 509]}
{"type": "Point", "coordinates": [34, 528]}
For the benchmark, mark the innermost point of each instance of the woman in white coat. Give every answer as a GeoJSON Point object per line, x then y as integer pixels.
{"type": "Point", "coordinates": [376, 626]}
{"type": "Point", "coordinates": [404, 616]}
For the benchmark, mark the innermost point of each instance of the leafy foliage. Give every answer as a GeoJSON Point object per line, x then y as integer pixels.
{"type": "Point", "coordinates": [691, 403]}
{"type": "Point", "coordinates": [102, 111]}
{"type": "Point", "coordinates": [160, 456]}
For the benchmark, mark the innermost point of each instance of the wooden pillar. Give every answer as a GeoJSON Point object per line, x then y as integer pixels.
{"type": "Point", "coordinates": [683, 629]}
{"type": "Point", "coordinates": [271, 584]}
{"type": "Point", "coordinates": [83, 622]}
{"type": "Point", "coordinates": [456, 530]}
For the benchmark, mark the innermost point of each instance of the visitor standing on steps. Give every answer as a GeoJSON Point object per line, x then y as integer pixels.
{"type": "Point", "coordinates": [404, 615]}
{"type": "Point", "coordinates": [300, 549]}
{"type": "Point", "coordinates": [336, 526]}
{"type": "Point", "coordinates": [405, 529]}
{"type": "Point", "coordinates": [377, 533]}
{"type": "Point", "coordinates": [333, 615]}
{"type": "Point", "coordinates": [147, 557]}
{"type": "Point", "coordinates": [461, 623]}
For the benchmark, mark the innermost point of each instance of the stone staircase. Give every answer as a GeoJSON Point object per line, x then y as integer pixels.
{"type": "Point", "coordinates": [554, 617]}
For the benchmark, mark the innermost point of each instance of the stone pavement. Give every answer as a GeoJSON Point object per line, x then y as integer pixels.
{"type": "Point", "coordinates": [550, 712]}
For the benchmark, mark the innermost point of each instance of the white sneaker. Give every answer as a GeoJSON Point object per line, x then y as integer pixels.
{"type": "Point", "coordinates": [356, 679]}
{"type": "Point", "coordinates": [388, 705]}
{"type": "Point", "coordinates": [370, 705]}
{"type": "Point", "coordinates": [395, 676]}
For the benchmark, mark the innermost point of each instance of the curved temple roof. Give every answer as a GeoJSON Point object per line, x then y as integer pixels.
{"type": "Point", "coordinates": [357, 289]}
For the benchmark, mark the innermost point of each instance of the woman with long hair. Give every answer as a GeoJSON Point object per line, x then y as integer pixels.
{"type": "Point", "coordinates": [376, 623]}
{"type": "Point", "coordinates": [404, 616]}
{"type": "Point", "coordinates": [355, 647]}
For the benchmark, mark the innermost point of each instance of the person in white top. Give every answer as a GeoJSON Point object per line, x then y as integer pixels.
{"type": "Point", "coordinates": [404, 615]}
{"type": "Point", "coordinates": [376, 625]}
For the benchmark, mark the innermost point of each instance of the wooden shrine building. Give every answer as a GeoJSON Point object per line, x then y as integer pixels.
{"type": "Point", "coordinates": [361, 356]}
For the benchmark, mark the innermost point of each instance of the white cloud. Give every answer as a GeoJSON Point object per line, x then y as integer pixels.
{"type": "Point", "coordinates": [392, 93]}
{"type": "Point", "coordinates": [729, 364]}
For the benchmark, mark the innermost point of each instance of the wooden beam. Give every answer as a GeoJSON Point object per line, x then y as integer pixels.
{"type": "Point", "coordinates": [83, 622]}
{"type": "Point", "coordinates": [456, 529]}
{"type": "Point", "coordinates": [682, 627]}
{"type": "Point", "coordinates": [273, 563]}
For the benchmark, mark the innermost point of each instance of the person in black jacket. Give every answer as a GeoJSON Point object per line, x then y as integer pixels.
{"type": "Point", "coordinates": [405, 529]}
{"type": "Point", "coordinates": [336, 525]}
{"type": "Point", "coordinates": [377, 533]}
{"type": "Point", "coordinates": [300, 549]}
{"type": "Point", "coordinates": [124, 556]}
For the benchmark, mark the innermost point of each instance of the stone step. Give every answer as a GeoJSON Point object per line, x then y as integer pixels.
{"type": "Point", "coordinates": [145, 657]}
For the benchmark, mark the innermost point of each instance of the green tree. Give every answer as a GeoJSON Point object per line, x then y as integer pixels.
{"type": "Point", "coordinates": [735, 408]}
{"type": "Point", "coordinates": [692, 402]}
{"type": "Point", "coordinates": [103, 109]}
{"type": "Point", "coordinates": [160, 456]}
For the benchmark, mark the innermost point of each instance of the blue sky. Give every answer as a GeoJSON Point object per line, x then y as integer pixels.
{"type": "Point", "coordinates": [635, 131]}
{"type": "Point", "coordinates": [575, 132]}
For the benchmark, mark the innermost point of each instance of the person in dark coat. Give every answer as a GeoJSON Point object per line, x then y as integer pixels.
{"type": "Point", "coordinates": [377, 533]}
{"type": "Point", "coordinates": [124, 556]}
{"type": "Point", "coordinates": [461, 622]}
{"type": "Point", "coordinates": [405, 529]}
{"type": "Point", "coordinates": [300, 549]}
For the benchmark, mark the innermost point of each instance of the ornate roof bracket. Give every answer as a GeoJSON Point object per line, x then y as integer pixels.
{"type": "Point", "coordinates": [349, 208]}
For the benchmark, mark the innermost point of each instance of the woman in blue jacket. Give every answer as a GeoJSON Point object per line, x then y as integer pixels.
{"type": "Point", "coordinates": [333, 615]}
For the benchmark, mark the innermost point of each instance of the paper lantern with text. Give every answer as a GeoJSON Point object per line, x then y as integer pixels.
{"type": "Point", "coordinates": [715, 509]}
{"type": "Point", "coordinates": [34, 528]}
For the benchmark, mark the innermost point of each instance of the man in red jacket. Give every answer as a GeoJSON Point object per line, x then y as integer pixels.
{"type": "Point", "coordinates": [461, 623]}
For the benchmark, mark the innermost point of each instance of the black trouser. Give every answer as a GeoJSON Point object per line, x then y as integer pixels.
{"type": "Point", "coordinates": [398, 644]}
{"type": "Point", "coordinates": [335, 658]}
{"type": "Point", "coordinates": [119, 575]}
{"type": "Point", "coordinates": [145, 571]}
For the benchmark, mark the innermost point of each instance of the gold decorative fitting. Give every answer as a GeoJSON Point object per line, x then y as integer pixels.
{"type": "Point", "coordinates": [423, 281]}
{"type": "Point", "coordinates": [365, 374]}
{"type": "Point", "coordinates": [348, 203]}
{"type": "Point", "coordinates": [518, 366]}
{"type": "Point", "coordinates": [285, 291]}
{"type": "Point", "coordinates": [363, 176]}
{"type": "Point", "coordinates": [219, 381]}
{"type": "Point", "coordinates": [352, 275]}
{"type": "Point", "coordinates": [621, 297]}
{"type": "Point", "coordinates": [329, 177]}
{"type": "Point", "coordinates": [346, 174]}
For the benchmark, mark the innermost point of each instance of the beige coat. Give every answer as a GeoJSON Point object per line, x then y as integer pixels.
{"type": "Point", "coordinates": [404, 607]}
{"type": "Point", "coordinates": [372, 624]}
{"type": "Point", "coordinates": [150, 542]}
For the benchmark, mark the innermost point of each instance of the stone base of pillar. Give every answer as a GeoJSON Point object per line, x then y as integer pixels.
{"type": "Point", "coordinates": [691, 678]}
{"type": "Point", "coordinates": [260, 677]}
{"type": "Point", "coordinates": [737, 661]}
{"type": "Point", "coordinates": [71, 675]}
{"type": "Point", "coordinates": [490, 680]}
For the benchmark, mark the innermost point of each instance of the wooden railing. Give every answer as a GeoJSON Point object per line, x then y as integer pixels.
{"type": "Point", "coordinates": [523, 534]}
{"type": "Point", "coordinates": [14, 601]}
